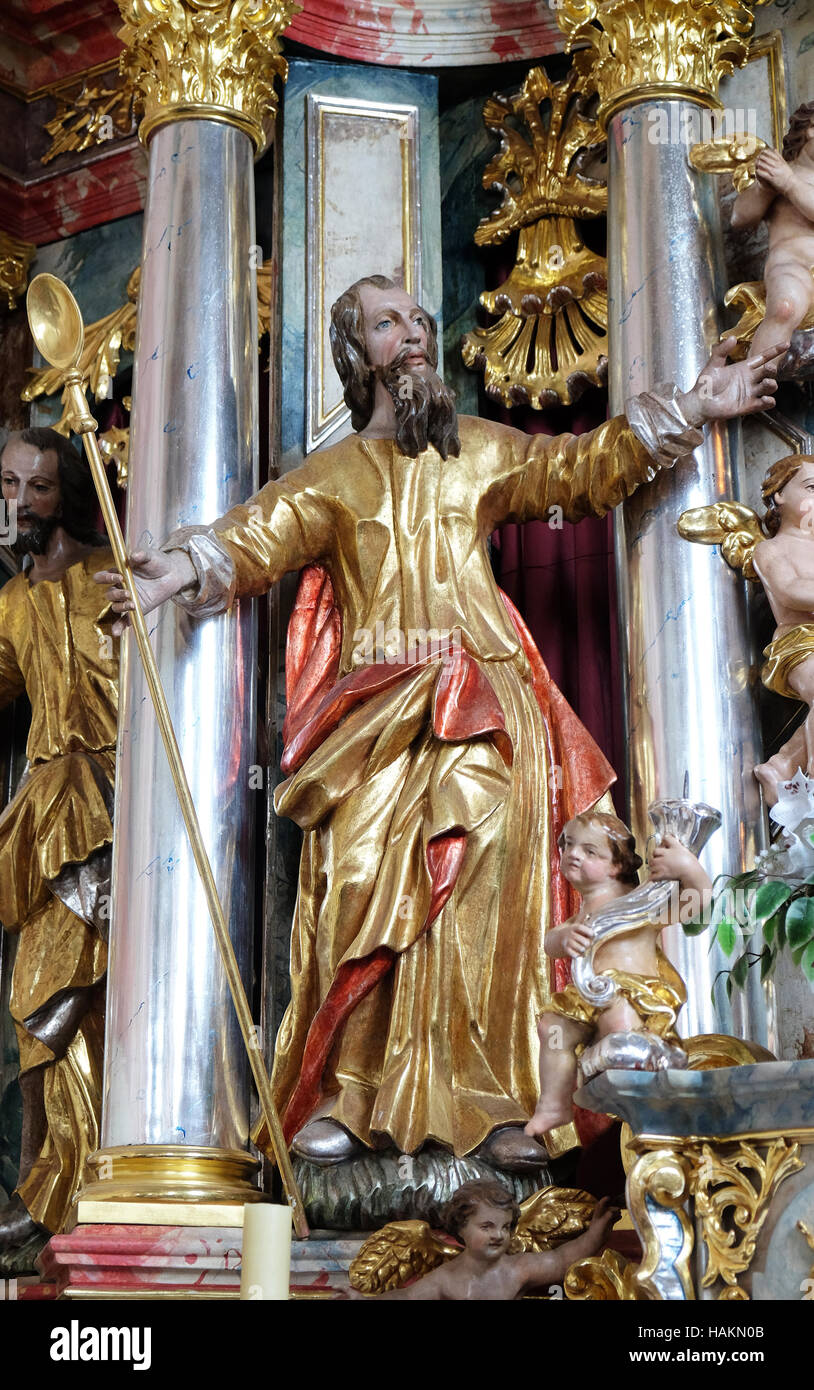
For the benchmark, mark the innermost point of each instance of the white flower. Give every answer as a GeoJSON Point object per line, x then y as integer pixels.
{"type": "Point", "coordinates": [794, 811]}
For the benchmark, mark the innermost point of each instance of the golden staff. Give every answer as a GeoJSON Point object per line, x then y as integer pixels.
{"type": "Point", "coordinates": [58, 331]}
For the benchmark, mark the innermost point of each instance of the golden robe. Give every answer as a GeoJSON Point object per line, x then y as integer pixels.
{"type": "Point", "coordinates": [435, 1039]}
{"type": "Point", "coordinates": [55, 644]}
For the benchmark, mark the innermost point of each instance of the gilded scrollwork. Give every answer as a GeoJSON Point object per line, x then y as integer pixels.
{"type": "Point", "coordinates": [551, 340]}
{"type": "Point", "coordinates": [733, 1186]}
{"type": "Point", "coordinates": [15, 260]}
{"type": "Point", "coordinates": [604, 1278]}
{"type": "Point", "coordinates": [215, 58]}
{"type": "Point", "coordinates": [661, 48]}
{"type": "Point", "coordinates": [657, 1189]}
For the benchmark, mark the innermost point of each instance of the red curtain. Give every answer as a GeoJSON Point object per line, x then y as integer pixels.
{"type": "Point", "coordinates": [563, 582]}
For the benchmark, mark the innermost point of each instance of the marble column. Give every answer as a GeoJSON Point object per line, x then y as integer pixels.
{"type": "Point", "coordinates": [176, 1091]}
{"type": "Point", "coordinates": [685, 641]}
{"type": "Point", "coordinates": [685, 638]}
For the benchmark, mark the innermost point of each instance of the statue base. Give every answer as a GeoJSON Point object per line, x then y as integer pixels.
{"type": "Point", "coordinates": [365, 1193]}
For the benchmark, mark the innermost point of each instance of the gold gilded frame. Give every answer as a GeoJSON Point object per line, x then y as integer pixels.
{"type": "Point", "coordinates": [770, 47]}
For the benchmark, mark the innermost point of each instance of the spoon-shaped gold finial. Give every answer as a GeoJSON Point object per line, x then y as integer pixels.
{"type": "Point", "coordinates": [55, 321]}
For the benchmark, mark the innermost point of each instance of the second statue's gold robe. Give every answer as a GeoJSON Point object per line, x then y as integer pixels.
{"type": "Point", "coordinates": [444, 1046]}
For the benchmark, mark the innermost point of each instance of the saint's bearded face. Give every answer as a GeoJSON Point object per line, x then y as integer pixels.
{"type": "Point", "coordinates": [30, 478]}
{"type": "Point", "coordinates": [401, 351]}
{"type": "Point", "coordinates": [424, 406]}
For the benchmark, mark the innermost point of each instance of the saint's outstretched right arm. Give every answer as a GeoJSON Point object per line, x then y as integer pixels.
{"type": "Point", "coordinates": [288, 523]}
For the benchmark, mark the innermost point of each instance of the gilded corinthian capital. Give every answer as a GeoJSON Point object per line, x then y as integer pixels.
{"type": "Point", "coordinates": [649, 49]}
{"type": "Point", "coordinates": [215, 59]}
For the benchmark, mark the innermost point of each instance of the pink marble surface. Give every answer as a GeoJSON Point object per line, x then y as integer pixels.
{"type": "Point", "coordinates": [110, 1257]}
{"type": "Point", "coordinates": [110, 186]}
{"type": "Point", "coordinates": [43, 41]}
{"type": "Point", "coordinates": [429, 33]}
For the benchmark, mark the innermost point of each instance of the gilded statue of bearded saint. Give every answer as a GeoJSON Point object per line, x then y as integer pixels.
{"type": "Point", "coordinates": [56, 646]}
{"type": "Point", "coordinates": [424, 783]}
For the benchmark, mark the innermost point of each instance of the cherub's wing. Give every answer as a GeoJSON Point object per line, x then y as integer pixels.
{"type": "Point", "coordinates": [400, 1251]}
{"type": "Point", "coordinates": [731, 525]}
{"type": "Point", "coordinates": [549, 1217]}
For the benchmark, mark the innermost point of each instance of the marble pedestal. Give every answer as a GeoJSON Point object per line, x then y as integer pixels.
{"type": "Point", "coordinates": [722, 1189]}
{"type": "Point", "coordinates": [102, 1262]}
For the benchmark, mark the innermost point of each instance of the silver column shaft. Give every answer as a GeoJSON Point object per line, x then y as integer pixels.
{"type": "Point", "coordinates": [175, 1068]}
{"type": "Point", "coordinates": [684, 628]}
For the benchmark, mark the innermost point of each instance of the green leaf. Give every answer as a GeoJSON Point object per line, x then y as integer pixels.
{"type": "Point", "coordinates": [729, 986]}
{"type": "Point", "coordinates": [768, 961]}
{"type": "Point", "coordinates": [808, 962]}
{"type": "Point", "coordinates": [740, 970]}
{"type": "Point", "coordinates": [727, 935]}
{"type": "Point", "coordinates": [768, 898]}
{"type": "Point", "coordinates": [800, 922]}
{"type": "Point", "coordinates": [797, 955]}
{"type": "Point", "coordinates": [695, 927]}
{"type": "Point", "coordinates": [769, 928]}
{"type": "Point", "coordinates": [781, 929]}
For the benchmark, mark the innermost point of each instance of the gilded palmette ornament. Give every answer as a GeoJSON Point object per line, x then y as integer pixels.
{"type": "Point", "coordinates": [15, 259]}
{"type": "Point", "coordinates": [216, 59]}
{"type": "Point", "coordinates": [551, 341]}
{"type": "Point", "coordinates": [733, 1189]}
{"type": "Point", "coordinates": [649, 49]}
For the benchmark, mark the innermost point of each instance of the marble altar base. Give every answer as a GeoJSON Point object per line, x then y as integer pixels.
{"type": "Point", "coordinates": [106, 1261]}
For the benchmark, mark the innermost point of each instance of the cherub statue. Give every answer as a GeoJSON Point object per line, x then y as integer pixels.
{"type": "Point", "coordinates": [778, 550]}
{"type": "Point", "coordinates": [783, 194]}
{"type": "Point", "coordinates": [497, 1262]}
{"type": "Point", "coordinates": [599, 859]}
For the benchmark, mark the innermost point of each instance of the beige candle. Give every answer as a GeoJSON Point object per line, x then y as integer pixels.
{"type": "Point", "coordinates": [266, 1264]}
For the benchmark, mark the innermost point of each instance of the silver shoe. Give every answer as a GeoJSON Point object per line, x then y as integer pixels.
{"type": "Point", "coordinates": [325, 1142]}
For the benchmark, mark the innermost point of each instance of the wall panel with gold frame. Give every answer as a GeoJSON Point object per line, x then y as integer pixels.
{"type": "Point", "coordinates": [361, 196]}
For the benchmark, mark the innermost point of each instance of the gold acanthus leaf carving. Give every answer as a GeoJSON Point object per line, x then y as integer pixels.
{"type": "Point", "coordinates": [96, 114]}
{"type": "Point", "coordinates": [733, 1206]}
{"type": "Point", "coordinates": [206, 57]}
{"type": "Point", "coordinates": [604, 1278]}
{"type": "Point", "coordinates": [641, 48]}
{"type": "Point", "coordinates": [115, 446]}
{"type": "Point", "coordinates": [551, 341]}
{"type": "Point", "coordinates": [15, 259]}
{"type": "Point", "coordinates": [99, 361]}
